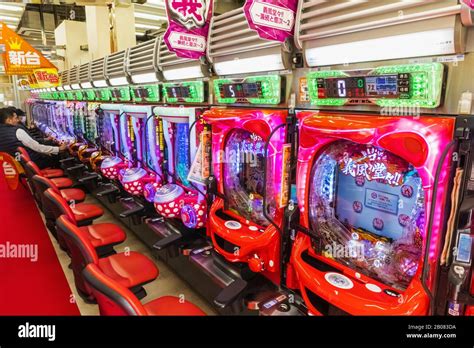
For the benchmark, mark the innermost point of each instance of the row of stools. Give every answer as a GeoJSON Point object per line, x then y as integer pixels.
{"type": "Point", "coordinates": [112, 280]}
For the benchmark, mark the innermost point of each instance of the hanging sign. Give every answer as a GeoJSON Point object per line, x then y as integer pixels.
{"type": "Point", "coordinates": [20, 58]}
{"type": "Point", "coordinates": [47, 77]}
{"type": "Point", "coordinates": [272, 19]}
{"type": "Point", "coordinates": [188, 26]}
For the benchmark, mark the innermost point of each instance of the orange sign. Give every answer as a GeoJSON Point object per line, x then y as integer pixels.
{"type": "Point", "coordinates": [10, 170]}
{"type": "Point", "coordinates": [20, 58]}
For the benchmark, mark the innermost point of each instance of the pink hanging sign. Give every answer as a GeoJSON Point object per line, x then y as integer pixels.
{"type": "Point", "coordinates": [188, 26]}
{"type": "Point", "coordinates": [271, 19]}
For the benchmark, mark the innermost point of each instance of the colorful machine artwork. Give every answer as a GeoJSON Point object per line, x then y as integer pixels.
{"type": "Point", "coordinates": [365, 187]}
{"type": "Point", "coordinates": [237, 224]}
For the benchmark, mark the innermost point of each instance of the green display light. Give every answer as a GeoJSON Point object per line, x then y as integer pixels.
{"type": "Point", "coordinates": [55, 95]}
{"type": "Point", "coordinates": [102, 94]}
{"type": "Point", "coordinates": [423, 86]}
{"type": "Point", "coordinates": [62, 95]}
{"type": "Point", "coordinates": [426, 81]}
{"type": "Point", "coordinates": [79, 95]}
{"type": "Point", "coordinates": [145, 93]}
{"type": "Point", "coordinates": [184, 92]}
{"type": "Point", "coordinates": [70, 95]}
{"type": "Point", "coordinates": [120, 94]}
{"type": "Point", "coordinates": [89, 95]}
{"type": "Point", "coordinates": [253, 90]}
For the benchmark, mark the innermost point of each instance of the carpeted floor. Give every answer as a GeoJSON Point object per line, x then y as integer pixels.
{"type": "Point", "coordinates": [29, 286]}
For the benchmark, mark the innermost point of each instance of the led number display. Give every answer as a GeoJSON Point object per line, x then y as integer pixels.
{"type": "Point", "coordinates": [399, 85]}
{"type": "Point", "coordinates": [146, 93]}
{"type": "Point", "coordinates": [251, 90]}
{"type": "Point", "coordinates": [188, 92]}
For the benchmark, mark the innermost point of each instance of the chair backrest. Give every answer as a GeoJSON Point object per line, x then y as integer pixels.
{"type": "Point", "coordinates": [41, 184]}
{"type": "Point", "coordinates": [112, 298]}
{"type": "Point", "coordinates": [56, 205]}
{"type": "Point", "coordinates": [24, 153]}
{"type": "Point", "coordinates": [31, 169]}
{"type": "Point", "coordinates": [80, 248]}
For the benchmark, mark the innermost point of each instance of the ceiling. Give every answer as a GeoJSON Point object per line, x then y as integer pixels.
{"type": "Point", "coordinates": [36, 22]}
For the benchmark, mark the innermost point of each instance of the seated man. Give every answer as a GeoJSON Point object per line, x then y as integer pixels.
{"type": "Point", "coordinates": [12, 136]}
{"type": "Point", "coordinates": [33, 132]}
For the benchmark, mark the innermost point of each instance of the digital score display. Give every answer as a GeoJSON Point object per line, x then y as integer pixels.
{"type": "Point", "coordinates": [363, 87]}
{"type": "Point", "coordinates": [263, 90]}
{"type": "Point", "coordinates": [179, 92]}
{"type": "Point", "coordinates": [410, 85]}
{"type": "Point", "coordinates": [116, 93]}
{"type": "Point", "coordinates": [241, 90]}
{"type": "Point", "coordinates": [141, 93]}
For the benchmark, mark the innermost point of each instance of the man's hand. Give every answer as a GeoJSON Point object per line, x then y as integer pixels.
{"type": "Point", "coordinates": [62, 147]}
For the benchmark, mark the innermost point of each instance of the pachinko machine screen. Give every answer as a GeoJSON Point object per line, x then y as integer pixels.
{"type": "Point", "coordinates": [107, 132]}
{"type": "Point", "coordinates": [243, 175]}
{"type": "Point", "coordinates": [181, 152]}
{"type": "Point", "coordinates": [90, 127]}
{"type": "Point", "coordinates": [367, 207]}
{"type": "Point", "coordinates": [79, 123]}
{"type": "Point", "coordinates": [155, 144]}
{"type": "Point", "coordinates": [132, 144]}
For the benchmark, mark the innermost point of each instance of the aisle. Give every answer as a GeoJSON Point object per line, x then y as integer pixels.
{"type": "Point", "coordinates": [33, 284]}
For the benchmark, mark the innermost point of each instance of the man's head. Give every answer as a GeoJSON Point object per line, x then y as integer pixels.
{"type": "Point", "coordinates": [9, 116]}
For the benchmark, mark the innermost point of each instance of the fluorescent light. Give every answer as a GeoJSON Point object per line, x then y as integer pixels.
{"type": "Point", "coordinates": [150, 16]}
{"type": "Point", "coordinates": [144, 78]}
{"type": "Point", "coordinates": [183, 73]}
{"type": "Point", "coordinates": [11, 19]}
{"type": "Point", "coordinates": [146, 26]}
{"type": "Point", "coordinates": [86, 85]}
{"type": "Point", "coordinates": [11, 7]}
{"type": "Point", "coordinates": [139, 34]}
{"type": "Point", "coordinates": [60, 88]}
{"type": "Point", "coordinates": [425, 43]}
{"type": "Point", "coordinates": [100, 83]}
{"type": "Point", "coordinates": [269, 62]}
{"type": "Point", "coordinates": [76, 86]}
{"type": "Point", "coordinates": [67, 88]}
{"type": "Point", "coordinates": [118, 81]}
{"type": "Point", "coordinates": [155, 2]}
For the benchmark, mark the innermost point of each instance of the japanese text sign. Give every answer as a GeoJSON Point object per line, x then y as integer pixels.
{"type": "Point", "coordinates": [271, 19]}
{"type": "Point", "coordinates": [20, 57]}
{"type": "Point", "coordinates": [188, 26]}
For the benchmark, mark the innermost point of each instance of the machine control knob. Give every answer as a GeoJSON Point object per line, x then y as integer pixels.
{"type": "Point", "coordinates": [256, 264]}
{"type": "Point", "coordinates": [189, 216]}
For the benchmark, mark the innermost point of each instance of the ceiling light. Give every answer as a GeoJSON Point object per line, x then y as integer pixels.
{"type": "Point", "coordinates": [146, 26]}
{"type": "Point", "coordinates": [415, 44]}
{"type": "Point", "coordinates": [155, 2]}
{"type": "Point", "coordinates": [139, 34]}
{"type": "Point", "coordinates": [9, 18]}
{"type": "Point", "coordinates": [16, 8]}
{"type": "Point", "coordinates": [150, 16]}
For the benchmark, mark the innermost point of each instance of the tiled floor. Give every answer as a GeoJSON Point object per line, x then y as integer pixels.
{"type": "Point", "coordinates": [167, 282]}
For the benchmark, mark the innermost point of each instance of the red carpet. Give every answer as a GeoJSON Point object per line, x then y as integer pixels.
{"type": "Point", "coordinates": [26, 287]}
